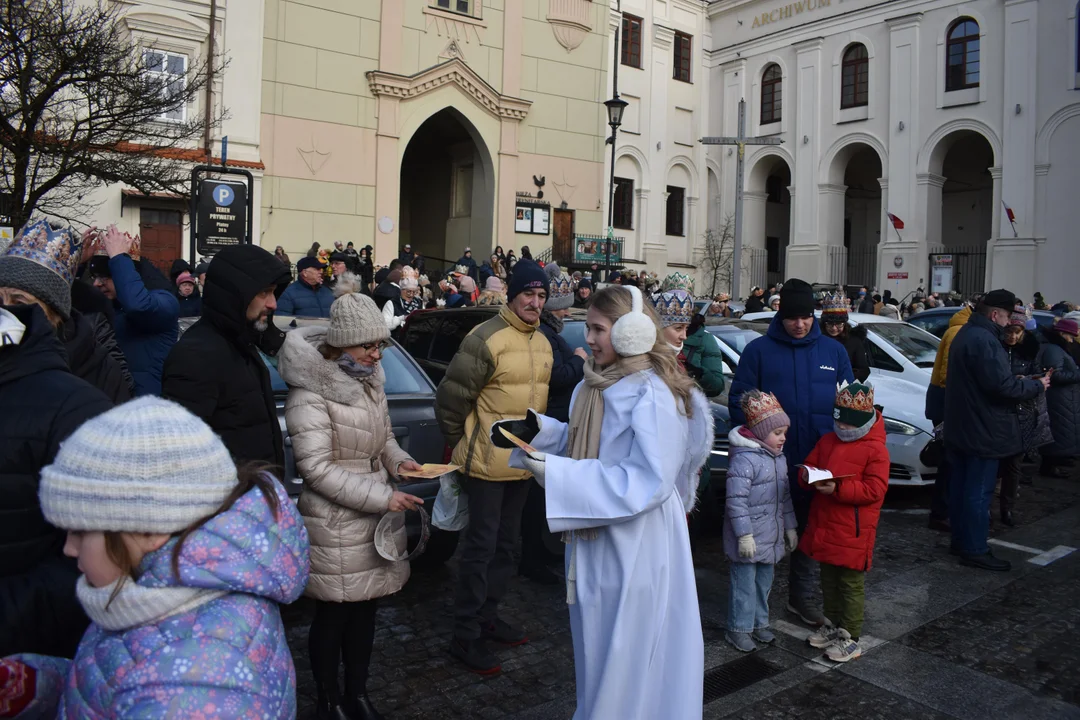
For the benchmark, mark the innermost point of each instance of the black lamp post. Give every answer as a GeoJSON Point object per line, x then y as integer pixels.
{"type": "Point", "coordinates": [615, 107]}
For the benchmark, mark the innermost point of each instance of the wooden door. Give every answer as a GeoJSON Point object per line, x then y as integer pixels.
{"type": "Point", "coordinates": [563, 240]}
{"type": "Point", "coordinates": [161, 232]}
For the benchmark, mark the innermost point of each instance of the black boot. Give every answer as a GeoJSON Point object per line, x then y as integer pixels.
{"type": "Point", "coordinates": [328, 705]}
{"type": "Point", "coordinates": [360, 707]}
{"type": "Point", "coordinates": [1007, 518]}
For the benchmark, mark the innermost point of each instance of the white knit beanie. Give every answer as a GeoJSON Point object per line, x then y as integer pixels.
{"type": "Point", "coordinates": [147, 466]}
{"type": "Point", "coordinates": [355, 319]}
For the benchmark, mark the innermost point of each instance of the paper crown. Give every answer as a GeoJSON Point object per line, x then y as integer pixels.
{"type": "Point", "coordinates": [407, 271]}
{"type": "Point", "coordinates": [758, 406]}
{"type": "Point", "coordinates": [678, 281]}
{"type": "Point", "coordinates": [834, 307]}
{"type": "Point", "coordinates": [55, 247]}
{"type": "Point", "coordinates": [461, 270]}
{"type": "Point", "coordinates": [854, 403]}
{"type": "Point", "coordinates": [560, 286]}
{"type": "Point", "coordinates": [95, 244]}
{"type": "Point", "coordinates": [674, 307]}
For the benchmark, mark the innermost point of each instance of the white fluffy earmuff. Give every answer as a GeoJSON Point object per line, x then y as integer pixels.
{"type": "Point", "coordinates": [635, 332]}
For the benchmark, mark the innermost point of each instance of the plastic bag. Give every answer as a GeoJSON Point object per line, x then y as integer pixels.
{"type": "Point", "coordinates": [451, 509]}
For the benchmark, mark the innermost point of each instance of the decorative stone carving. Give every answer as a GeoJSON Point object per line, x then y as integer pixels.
{"type": "Point", "coordinates": [451, 51]}
{"type": "Point", "coordinates": [456, 27]}
{"type": "Point", "coordinates": [452, 71]}
{"type": "Point", "coordinates": [314, 159]}
{"type": "Point", "coordinates": [571, 21]}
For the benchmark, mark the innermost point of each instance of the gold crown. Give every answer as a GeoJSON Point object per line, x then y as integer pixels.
{"type": "Point", "coordinates": [758, 406]}
{"type": "Point", "coordinates": [855, 396]}
{"type": "Point", "coordinates": [408, 271]}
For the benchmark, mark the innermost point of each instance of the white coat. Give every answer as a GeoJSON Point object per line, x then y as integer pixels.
{"type": "Point", "coordinates": [638, 648]}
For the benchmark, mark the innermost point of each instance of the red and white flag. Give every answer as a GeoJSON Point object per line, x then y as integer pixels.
{"type": "Point", "coordinates": [896, 222]}
{"type": "Point", "coordinates": [1009, 212]}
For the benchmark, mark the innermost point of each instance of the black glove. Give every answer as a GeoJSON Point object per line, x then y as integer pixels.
{"type": "Point", "coordinates": [526, 430]}
{"type": "Point", "coordinates": [695, 372]}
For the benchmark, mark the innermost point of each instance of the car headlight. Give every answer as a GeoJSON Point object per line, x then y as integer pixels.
{"type": "Point", "coordinates": [896, 427]}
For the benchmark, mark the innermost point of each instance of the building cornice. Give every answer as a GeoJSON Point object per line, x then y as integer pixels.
{"type": "Point", "coordinates": [663, 37]}
{"type": "Point", "coordinates": [454, 72]}
{"type": "Point", "coordinates": [903, 22]}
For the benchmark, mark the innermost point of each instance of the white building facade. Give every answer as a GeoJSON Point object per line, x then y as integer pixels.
{"type": "Point", "coordinates": [946, 115]}
{"type": "Point", "coordinates": [660, 197]}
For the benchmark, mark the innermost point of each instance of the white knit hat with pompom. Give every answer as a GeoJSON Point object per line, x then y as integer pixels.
{"type": "Point", "coordinates": [354, 318]}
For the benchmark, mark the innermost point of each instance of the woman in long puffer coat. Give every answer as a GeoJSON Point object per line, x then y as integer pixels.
{"type": "Point", "coordinates": [346, 454]}
{"type": "Point", "coordinates": [1022, 349]}
{"type": "Point", "coordinates": [1063, 397]}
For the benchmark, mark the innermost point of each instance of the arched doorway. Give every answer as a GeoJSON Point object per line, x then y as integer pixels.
{"type": "Point", "coordinates": [862, 215]}
{"type": "Point", "coordinates": [768, 219]}
{"type": "Point", "coordinates": [967, 207]}
{"type": "Point", "coordinates": [447, 190]}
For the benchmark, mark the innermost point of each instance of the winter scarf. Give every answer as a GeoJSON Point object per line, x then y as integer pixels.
{"type": "Point", "coordinates": [135, 605]}
{"type": "Point", "coordinates": [354, 369]}
{"type": "Point", "coordinates": [853, 434]}
{"type": "Point", "coordinates": [549, 319]}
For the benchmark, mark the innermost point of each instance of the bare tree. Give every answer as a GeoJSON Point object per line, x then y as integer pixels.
{"type": "Point", "coordinates": [716, 259]}
{"type": "Point", "coordinates": [81, 104]}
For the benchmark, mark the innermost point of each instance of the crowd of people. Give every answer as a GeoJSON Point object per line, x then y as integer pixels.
{"type": "Point", "coordinates": [150, 540]}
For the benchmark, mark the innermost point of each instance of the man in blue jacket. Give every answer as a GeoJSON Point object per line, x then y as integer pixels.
{"type": "Point", "coordinates": [802, 367]}
{"type": "Point", "coordinates": [307, 297]}
{"type": "Point", "coordinates": [146, 308]}
{"type": "Point", "coordinates": [982, 425]}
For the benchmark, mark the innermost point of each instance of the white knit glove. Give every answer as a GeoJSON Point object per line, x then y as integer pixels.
{"type": "Point", "coordinates": [747, 547]}
{"type": "Point", "coordinates": [792, 540]}
{"type": "Point", "coordinates": [537, 467]}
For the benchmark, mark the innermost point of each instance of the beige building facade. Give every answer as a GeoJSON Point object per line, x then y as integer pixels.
{"type": "Point", "coordinates": [432, 123]}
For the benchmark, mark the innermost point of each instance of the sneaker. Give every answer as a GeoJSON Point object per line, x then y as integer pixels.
{"type": "Point", "coordinates": [824, 637]}
{"type": "Point", "coordinates": [764, 635]}
{"type": "Point", "coordinates": [740, 641]}
{"type": "Point", "coordinates": [475, 655]}
{"type": "Point", "coordinates": [844, 648]}
{"type": "Point", "coordinates": [807, 613]}
{"type": "Point", "coordinates": [504, 633]}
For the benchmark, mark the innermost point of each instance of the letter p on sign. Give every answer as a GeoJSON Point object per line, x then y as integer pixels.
{"type": "Point", "coordinates": [223, 195]}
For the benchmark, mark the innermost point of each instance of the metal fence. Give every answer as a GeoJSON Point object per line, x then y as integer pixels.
{"type": "Point", "coordinates": [861, 267]}
{"type": "Point", "coordinates": [837, 268]}
{"type": "Point", "coordinates": [757, 263]}
{"type": "Point", "coordinates": [969, 267]}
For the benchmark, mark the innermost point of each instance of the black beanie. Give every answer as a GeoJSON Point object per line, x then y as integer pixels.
{"type": "Point", "coordinates": [796, 300]}
{"type": "Point", "coordinates": [527, 274]}
{"type": "Point", "coordinates": [1001, 299]}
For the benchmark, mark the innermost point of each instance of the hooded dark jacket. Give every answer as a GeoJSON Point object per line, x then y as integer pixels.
{"type": "Point", "coordinates": [90, 360]}
{"type": "Point", "coordinates": [755, 304]}
{"type": "Point", "coordinates": [857, 345]}
{"type": "Point", "coordinates": [96, 308]}
{"type": "Point", "coordinates": [982, 393]}
{"type": "Point", "coordinates": [216, 371]}
{"type": "Point", "coordinates": [190, 306]}
{"type": "Point", "coordinates": [43, 403]}
{"type": "Point", "coordinates": [1063, 398]}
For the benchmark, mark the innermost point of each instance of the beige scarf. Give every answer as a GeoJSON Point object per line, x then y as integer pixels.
{"type": "Point", "coordinates": [586, 421]}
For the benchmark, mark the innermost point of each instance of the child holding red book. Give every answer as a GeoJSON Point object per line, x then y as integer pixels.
{"type": "Point", "coordinates": [844, 515]}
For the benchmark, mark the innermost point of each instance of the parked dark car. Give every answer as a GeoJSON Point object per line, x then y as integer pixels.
{"type": "Point", "coordinates": [936, 320]}
{"type": "Point", "coordinates": [433, 336]}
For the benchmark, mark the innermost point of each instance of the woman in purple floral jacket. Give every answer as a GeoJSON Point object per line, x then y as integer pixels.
{"type": "Point", "coordinates": [184, 561]}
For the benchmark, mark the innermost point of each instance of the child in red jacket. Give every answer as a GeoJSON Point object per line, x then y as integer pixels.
{"type": "Point", "coordinates": [844, 514]}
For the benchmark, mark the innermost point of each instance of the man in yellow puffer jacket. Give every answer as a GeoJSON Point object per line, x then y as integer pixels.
{"type": "Point", "coordinates": [935, 413]}
{"type": "Point", "coordinates": [500, 371]}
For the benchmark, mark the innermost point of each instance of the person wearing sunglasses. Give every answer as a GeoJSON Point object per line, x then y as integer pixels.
{"type": "Point", "coordinates": [348, 458]}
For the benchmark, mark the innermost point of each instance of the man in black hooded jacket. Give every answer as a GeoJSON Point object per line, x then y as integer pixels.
{"type": "Point", "coordinates": [215, 370]}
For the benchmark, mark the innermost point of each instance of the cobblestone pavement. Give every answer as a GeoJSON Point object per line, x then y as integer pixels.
{"type": "Point", "coordinates": [945, 641]}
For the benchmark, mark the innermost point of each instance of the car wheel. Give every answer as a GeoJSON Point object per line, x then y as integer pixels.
{"type": "Point", "coordinates": [440, 548]}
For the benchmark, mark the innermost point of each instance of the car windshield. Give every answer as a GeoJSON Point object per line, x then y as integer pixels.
{"type": "Point", "coordinates": [573, 333]}
{"type": "Point", "coordinates": [402, 378]}
{"type": "Point", "coordinates": [736, 337]}
{"type": "Point", "coordinates": [916, 345]}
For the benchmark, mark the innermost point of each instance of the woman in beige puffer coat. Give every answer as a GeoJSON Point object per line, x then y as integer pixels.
{"type": "Point", "coordinates": [348, 458]}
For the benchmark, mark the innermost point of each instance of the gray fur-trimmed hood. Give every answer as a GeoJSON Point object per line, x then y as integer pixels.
{"type": "Point", "coordinates": [699, 446]}
{"type": "Point", "coordinates": [301, 365]}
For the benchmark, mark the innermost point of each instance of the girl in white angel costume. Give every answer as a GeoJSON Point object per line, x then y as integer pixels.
{"type": "Point", "coordinates": [620, 478]}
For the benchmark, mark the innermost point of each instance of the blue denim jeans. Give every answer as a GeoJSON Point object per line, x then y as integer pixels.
{"type": "Point", "coordinates": [971, 488]}
{"type": "Point", "coordinates": [748, 599]}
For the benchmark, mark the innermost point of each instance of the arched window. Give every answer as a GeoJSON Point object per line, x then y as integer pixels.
{"type": "Point", "coordinates": [855, 77]}
{"type": "Point", "coordinates": [962, 55]}
{"type": "Point", "coordinates": [772, 85]}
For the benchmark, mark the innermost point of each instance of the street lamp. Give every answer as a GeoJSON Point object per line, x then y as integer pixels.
{"type": "Point", "coordinates": [615, 107]}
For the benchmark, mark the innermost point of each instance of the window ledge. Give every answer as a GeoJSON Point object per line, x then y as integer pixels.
{"type": "Point", "coordinates": [451, 15]}
{"type": "Point", "coordinates": [967, 96]}
{"type": "Point", "coordinates": [772, 128]}
{"type": "Point", "coordinates": [684, 144]}
{"type": "Point", "coordinates": [853, 114]}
